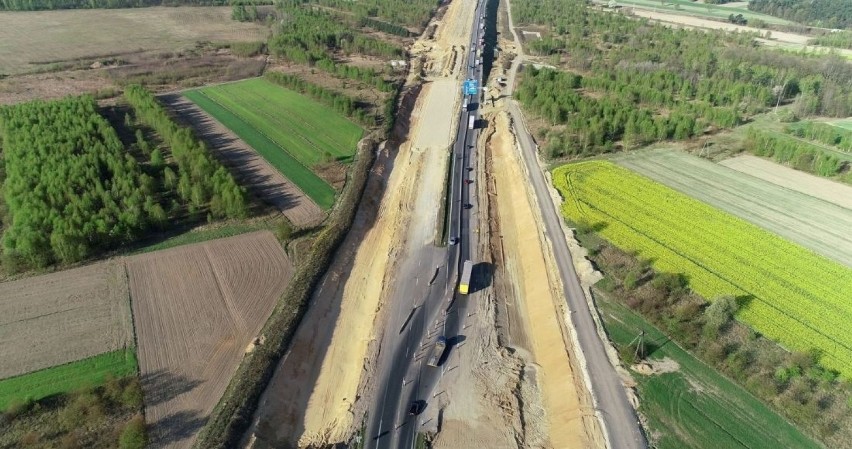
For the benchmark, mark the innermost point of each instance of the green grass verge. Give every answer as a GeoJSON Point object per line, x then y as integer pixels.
{"type": "Point", "coordinates": [844, 123]}
{"type": "Point", "coordinates": [69, 377]}
{"type": "Point", "coordinates": [695, 406]}
{"type": "Point", "coordinates": [204, 235]}
{"type": "Point", "coordinates": [313, 186]}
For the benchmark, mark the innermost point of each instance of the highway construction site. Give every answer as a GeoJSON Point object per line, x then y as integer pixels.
{"type": "Point", "coordinates": [510, 376]}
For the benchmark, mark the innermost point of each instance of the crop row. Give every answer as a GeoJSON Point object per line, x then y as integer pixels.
{"type": "Point", "coordinates": [787, 292]}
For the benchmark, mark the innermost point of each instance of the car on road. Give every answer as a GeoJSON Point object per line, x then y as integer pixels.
{"type": "Point", "coordinates": [454, 240]}
{"type": "Point", "coordinates": [415, 408]}
{"type": "Point", "coordinates": [468, 181]}
{"type": "Point", "coordinates": [468, 206]}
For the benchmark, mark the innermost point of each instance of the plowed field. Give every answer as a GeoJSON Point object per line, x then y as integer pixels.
{"type": "Point", "coordinates": [63, 317]}
{"type": "Point", "coordinates": [196, 309]}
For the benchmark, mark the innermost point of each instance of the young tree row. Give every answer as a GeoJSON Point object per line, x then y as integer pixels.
{"type": "Point", "coordinates": [338, 102]}
{"type": "Point", "coordinates": [787, 150]}
{"type": "Point", "coordinates": [70, 187]}
{"type": "Point", "coordinates": [201, 181]}
{"type": "Point", "coordinates": [410, 13]}
{"type": "Point", "coordinates": [824, 133]}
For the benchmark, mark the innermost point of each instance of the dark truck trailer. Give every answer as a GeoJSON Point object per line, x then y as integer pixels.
{"type": "Point", "coordinates": [437, 351]}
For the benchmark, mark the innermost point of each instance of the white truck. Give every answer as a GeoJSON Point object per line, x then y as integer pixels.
{"type": "Point", "coordinates": [471, 122]}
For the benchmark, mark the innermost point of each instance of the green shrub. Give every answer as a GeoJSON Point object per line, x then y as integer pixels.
{"type": "Point", "coordinates": [133, 436]}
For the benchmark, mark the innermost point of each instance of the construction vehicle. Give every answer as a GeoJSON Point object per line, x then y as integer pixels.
{"type": "Point", "coordinates": [464, 283]}
{"type": "Point", "coordinates": [437, 351]}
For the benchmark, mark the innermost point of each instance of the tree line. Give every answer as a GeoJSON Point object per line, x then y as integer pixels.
{"type": "Point", "coordinates": [838, 39]}
{"type": "Point", "coordinates": [340, 103]}
{"type": "Point", "coordinates": [39, 5]}
{"type": "Point", "coordinates": [824, 13]}
{"type": "Point", "coordinates": [200, 181]}
{"type": "Point", "coordinates": [70, 188]}
{"type": "Point", "coordinates": [824, 133]}
{"type": "Point", "coordinates": [788, 150]}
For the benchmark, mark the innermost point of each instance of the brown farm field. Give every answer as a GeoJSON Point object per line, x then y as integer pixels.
{"type": "Point", "coordinates": [63, 317]}
{"type": "Point", "coordinates": [197, 308]}
{"type": "Point", "coordinates": [32, 38]}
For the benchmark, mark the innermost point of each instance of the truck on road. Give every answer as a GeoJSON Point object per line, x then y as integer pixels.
{"type": "Point", "coordinates": [437, 351]}
{"type": "Point", "coordinates": [471, 122]}
{"type": "Point", "coordinates": [464, 283]}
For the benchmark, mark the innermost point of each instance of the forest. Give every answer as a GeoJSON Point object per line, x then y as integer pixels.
{"type": "Point", "coordinates": [200, 181]}
{"type": "Point", "coordinates": [39, 5]}
{"type": "Point", "coordinates": [309, 36]}
{"type": "Point", "coordinates": [410, 13]}
{"type": "Point", "coordinates": [822, 13]}
{"type": "Point", "coordinates": [70, 188]}
{"type": "Point", "coordinates": [823, 133]}
{"type": "Point", "coordinates": [638, 82]}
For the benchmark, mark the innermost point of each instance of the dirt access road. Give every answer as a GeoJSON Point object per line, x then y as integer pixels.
{"type": "Point", "coordinates": [197, 309]}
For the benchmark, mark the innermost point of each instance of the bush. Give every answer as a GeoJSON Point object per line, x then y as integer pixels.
{"type": "Point", "coordinates": [133, 436]}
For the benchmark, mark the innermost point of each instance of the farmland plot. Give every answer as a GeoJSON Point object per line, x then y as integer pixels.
{"type": "Point", "coordinates": [31, 39]}
{"type": "Point", "coordinates": [797, 216]}
{"type": "Point", "coordinates": [292, 132]}
{"type": "Point", "coordinates": [788, 178]}
{"type": "Point", "coordinates": [196, 310]}
{"type": "Point", "coordinates": [63, 317]}
{"type": "Point", "coordinates": [786, 292]}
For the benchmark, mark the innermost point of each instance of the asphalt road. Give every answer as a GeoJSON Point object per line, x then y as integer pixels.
{"type": "Point", "coordinates": [620, 421]}
{"type": "Point", "coordinates": [424, 304]}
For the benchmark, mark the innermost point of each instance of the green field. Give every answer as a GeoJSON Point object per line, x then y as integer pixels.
{"type": "Point", "coordinates": [687, 7]}
{"type": "Point", "coordinates": [696, 407]}
{"type": "Point", "coordinates": [290, 131]}
{"type": "Point", "coordinates": [786, 292]}
{"type": "Point", "coordinates": [845, 123]}
{"type": "Point", "coordinates": [69, 377]}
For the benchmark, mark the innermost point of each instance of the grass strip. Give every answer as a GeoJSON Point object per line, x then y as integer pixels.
{"type": "Point", "coordinates": [695, 406]}
{"type": "Point", "coordinates": [313, 186]}
{"type": "Point", "coordinates": [72, 376]}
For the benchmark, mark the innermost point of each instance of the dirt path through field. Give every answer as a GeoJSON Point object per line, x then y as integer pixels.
{"type": "Point", "coordinates": [196, 309]}
{"type": "Point", "coordinates": [247, 165]}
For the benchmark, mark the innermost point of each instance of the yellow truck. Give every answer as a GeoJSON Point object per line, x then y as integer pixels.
{"type": "Point", "coordinates": [464, 283]}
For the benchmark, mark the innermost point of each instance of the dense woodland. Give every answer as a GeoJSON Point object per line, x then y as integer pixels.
{"type": "Point", "coordinates": [823, 13]}
{"type": "Point", "coordinates": [37, 5]}
{"type": "Point", "coordinates": [307, 36]}
{"type": "Point", "coordinates": [637, 82]}
{"type": "Point", "coordinates": [70, 188]}
{"type": "Point", "coordinates": [200, 180]}
{"type": "Point", "coordinates": [410, 13]}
